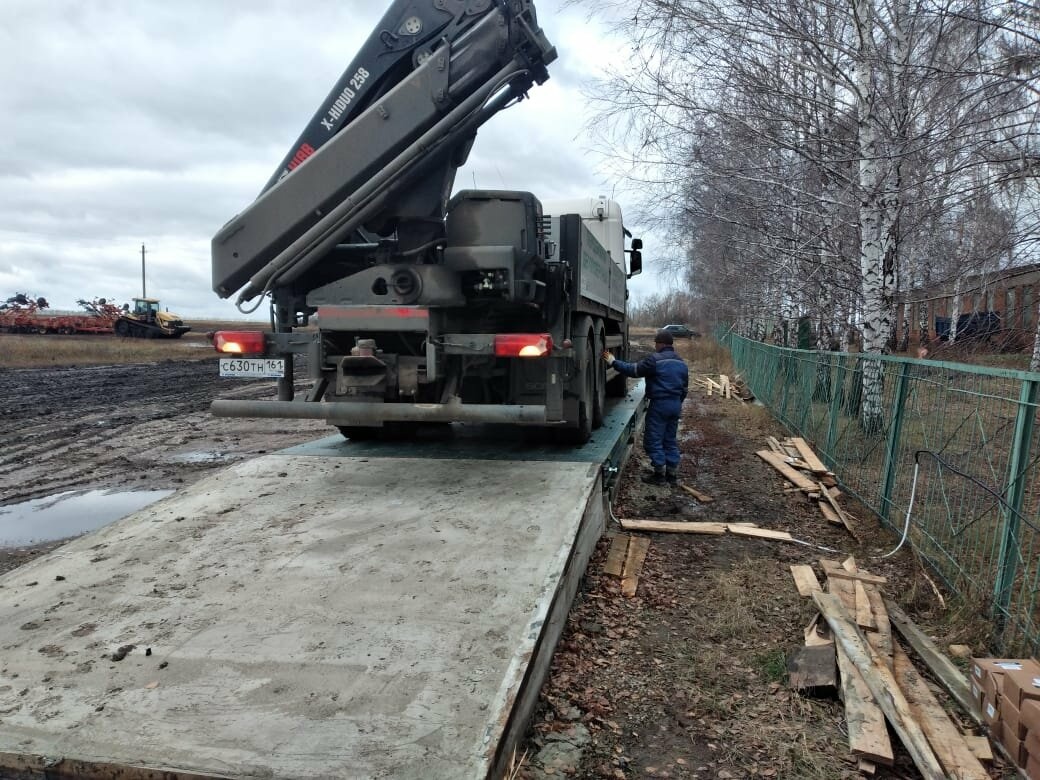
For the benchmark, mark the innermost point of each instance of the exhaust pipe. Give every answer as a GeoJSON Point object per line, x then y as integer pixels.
{"type": "Point", "coordinates": [347, 413]}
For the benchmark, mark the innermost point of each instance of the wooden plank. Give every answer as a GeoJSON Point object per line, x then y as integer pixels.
{"type": "Point", "coordinates": [882, 685]}
{"type": "Point", "coordinates": [812, 668]}
{"type": "Point", "coordinates": [615, 562]}
{"type": "Point", "coordinates": [864, 720]}
{"type": "Point", "coordinates": [881, 640]}
{"type": "Point", "coordinates": [849, 564]}
{"type": "Point", "coordinates": [866, 767]}
{"type": "Point", "coordinates": [938, 664]}
{"type": "Point", "coordinates": [845, 520]}
{"type": "Point", "coordinates": [809, 456]}
{"type": "Point", "coordinates": [704, 498]}
{"type": "Point", "coordinates": [666, 526]}
{"type": "Point", "coordinates": [634, 565]}
{"type": "Point", "coordinates": [795, 477]}
{"type": "Point", "coordinates": [759, 533]}
{"type": "Point", "coordinates": [947, 742]}
{"type": "Point", "coordinates": [980, 747]}
{"type": "Point", "coordinates": [775, 446]}
{"type": "Point", "coordinates": [829, 514]}
{"type": "Point", "coordinates": [864, 614]}
{"type": "Point", "coordinates": [868, 735]}
{"type": "Point", "coordinates": [834, 569]}
{"type": "Point", "coordinates": [804, 579]}
{"type": "Point", "coordinates": [817, 633]}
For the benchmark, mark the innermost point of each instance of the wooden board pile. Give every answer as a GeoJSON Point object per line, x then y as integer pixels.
{"type": "Point", "coordinates": [803, 471]}
{"type": "Point", "coordinates": [849, 647]}
{"type": "Point", "coordinates": [724, 386]}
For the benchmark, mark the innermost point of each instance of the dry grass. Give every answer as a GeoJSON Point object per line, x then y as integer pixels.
{"type": "Point", "coordinates": [35, 351]}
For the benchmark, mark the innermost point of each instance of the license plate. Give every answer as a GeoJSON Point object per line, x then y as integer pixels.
{"type": "Point", "coordinates": [252, 368]}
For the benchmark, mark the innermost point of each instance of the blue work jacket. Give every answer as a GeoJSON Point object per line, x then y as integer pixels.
{"type": "Point", "coordinates": [666, 374]}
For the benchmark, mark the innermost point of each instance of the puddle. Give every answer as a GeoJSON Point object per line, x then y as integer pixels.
{"type": "Point", "coordinates": [68, 514]}
{"type": "Point", "coordinates": [201, 457]}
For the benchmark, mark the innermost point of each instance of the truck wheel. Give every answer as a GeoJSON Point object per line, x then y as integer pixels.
{"type": "Point", "coordinates": [599, 398]}
{"type": "Point", "coordinates": [584, 344]}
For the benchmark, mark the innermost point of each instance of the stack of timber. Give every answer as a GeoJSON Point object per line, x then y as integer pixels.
{"type": "Point", "coordinates": [803, 471]}
{"type": "Point", "coordinates": [849, 648]}
{"type": "Point", "coordinates": [724, 386]}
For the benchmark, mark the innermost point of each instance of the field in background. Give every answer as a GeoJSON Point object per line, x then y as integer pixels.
{"type": "Point", "coordinates": [35, 351]}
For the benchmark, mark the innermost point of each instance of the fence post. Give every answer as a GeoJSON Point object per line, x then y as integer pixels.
{"type": "Point", "coordinates": [1007, 563]}
{"type": "Point", "coordinates": [895, 430]}
{"type": "Point", "coordinates": [837, 383]}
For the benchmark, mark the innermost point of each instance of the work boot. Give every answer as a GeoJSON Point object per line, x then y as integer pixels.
{"type": "Point", "coordinates": [655, 477]}
{"type": "Point", "coordinates": [672, 476]}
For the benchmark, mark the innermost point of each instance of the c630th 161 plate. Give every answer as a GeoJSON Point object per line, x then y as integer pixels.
{"type": "Point", "coordinates": [252, 368]}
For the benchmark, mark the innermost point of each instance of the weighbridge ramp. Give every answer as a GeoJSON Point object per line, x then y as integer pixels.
{"type": "Point", "coordinates": [335, 610]}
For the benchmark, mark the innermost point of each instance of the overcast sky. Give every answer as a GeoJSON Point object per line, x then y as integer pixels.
{"type": "Point", "coordinates": [145, 122]}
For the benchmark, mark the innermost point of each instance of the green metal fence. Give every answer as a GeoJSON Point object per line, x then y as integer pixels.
{"type": "Point", "coordinates": [969, 432]}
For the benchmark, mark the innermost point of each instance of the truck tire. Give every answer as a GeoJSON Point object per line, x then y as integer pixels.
{"type": "Point", "coordinates": [584, 383]}
{"type": "Point", "coordinates": [599, 399]}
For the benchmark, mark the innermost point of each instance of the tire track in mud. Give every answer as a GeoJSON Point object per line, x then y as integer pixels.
{"type": "Point", "coordinates": [125, 426]}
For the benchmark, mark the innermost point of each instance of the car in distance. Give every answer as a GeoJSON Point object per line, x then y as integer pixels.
{"type": "Point", "coordinates": [680, 331]}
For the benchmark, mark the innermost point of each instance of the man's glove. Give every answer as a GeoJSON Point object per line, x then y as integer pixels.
{"type": "Point", "coordinates": [608, 357]}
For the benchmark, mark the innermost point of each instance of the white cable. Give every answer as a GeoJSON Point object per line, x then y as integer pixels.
{"type": "Point", "coordinates": [906, 524]}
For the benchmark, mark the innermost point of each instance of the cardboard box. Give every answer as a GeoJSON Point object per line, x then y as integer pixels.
{"type": "Point", "coordinates": [1011, 718]}
{"type": "Point", "coordinates": [991, 697]}
{"type": "Point", "coordinates": [991, 716]}
{"type": "Point", "coordinates": [1022, 685]}
{"type": "Point", "coordinates": [1032, 741]}
{"type": "Point", "coordinates": [1032, 768]}
{"type": "Point", "coordinates": [1029, 717]}
{"type": "Point", "coordinates": [977, 696]}
{"type": "Point", "coordinates": [1014, 745]}
{"type": "Point", "coordinates": [980, 667]}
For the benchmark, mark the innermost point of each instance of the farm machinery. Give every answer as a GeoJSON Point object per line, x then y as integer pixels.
{"type": "Point", "coordinates": [24, 314]}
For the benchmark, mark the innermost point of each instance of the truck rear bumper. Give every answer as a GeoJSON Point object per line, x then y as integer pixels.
{"type": "Point", "coordinates": [346, 413]}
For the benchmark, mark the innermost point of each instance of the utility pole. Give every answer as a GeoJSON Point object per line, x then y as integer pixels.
{"type": "Point", "coordinates": [144, 293]}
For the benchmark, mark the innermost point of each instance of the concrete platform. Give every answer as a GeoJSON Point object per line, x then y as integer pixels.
{"type": "Point", "coordinates": [308, 614]}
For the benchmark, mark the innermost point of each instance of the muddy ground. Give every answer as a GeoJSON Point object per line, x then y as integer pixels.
{"type": "Point", "coordinates": [686, 680]}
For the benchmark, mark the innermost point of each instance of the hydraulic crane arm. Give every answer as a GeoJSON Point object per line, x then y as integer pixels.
{"type": "Point", "coordinates": [382, 151]}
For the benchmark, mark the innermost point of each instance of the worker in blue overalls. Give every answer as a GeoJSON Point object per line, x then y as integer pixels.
{"type": "Point", "coordinates": [667, 380]}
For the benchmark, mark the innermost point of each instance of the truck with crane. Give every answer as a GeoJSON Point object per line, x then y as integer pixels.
{"type": "Point", "coordinates": [488, 306]}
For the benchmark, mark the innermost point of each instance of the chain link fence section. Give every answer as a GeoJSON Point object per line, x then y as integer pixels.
{"type": "Point", "coordinates": [966, 432]}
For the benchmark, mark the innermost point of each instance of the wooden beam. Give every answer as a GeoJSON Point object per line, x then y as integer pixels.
{"type": "Point", "coordinates": [775, 446]}
{"type": "Point", "coordinates": [812, 668]}
{"type": "Point", "coordinates": [760, 533]}
{"type": "Point", "coordinates": [882, 684]}
{"type": "Point", "coordinates": [864, 614]}
{"type": "Point", "coordinates": [634, 565]}
{"type": "Point", "coordinates": [834, 569]}
{"type": "Point", "coordinates": [666, 526]}
{"type": "Point", "coordinates": [804, 579]}
{"type": "Point", "coordinates": [868, 735]}
{"type": "Point", "coordinates": [948, 743]}
{"type": "Point", "coordinates": [704, 498]}
{"type": "Point", "coordinates": [615, 562]}
{"type": "Point", "coordinates": [980, 747]}
{"type": "Point", "coordinates": [829, 514]}
{"type": "Point", "coordinates": [809, 456]}
{"type": "Point", "coordinates": [938, 664]}
{"type": "Point", "coordinates": [795, 477]}
{"type": "Point", "coordinates": [845, 520]}
{"type": "Point", "coordinates": [880, 640]}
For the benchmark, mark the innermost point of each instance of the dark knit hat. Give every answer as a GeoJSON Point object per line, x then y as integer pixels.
{"type": "Point", "coordinates": [663, 337]}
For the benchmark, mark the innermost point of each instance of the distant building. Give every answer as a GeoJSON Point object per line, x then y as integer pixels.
{"type": "Point", "coordinates": [1011, 294]}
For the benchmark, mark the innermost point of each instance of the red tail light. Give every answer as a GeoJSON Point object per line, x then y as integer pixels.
{"type": "Point", "coordinates": [239, 342]}
{"type": "Point", "coordinates": [523, 344]}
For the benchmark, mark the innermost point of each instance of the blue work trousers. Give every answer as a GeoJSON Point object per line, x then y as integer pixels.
{"type": "Point", "coordinates": [659, 432]}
